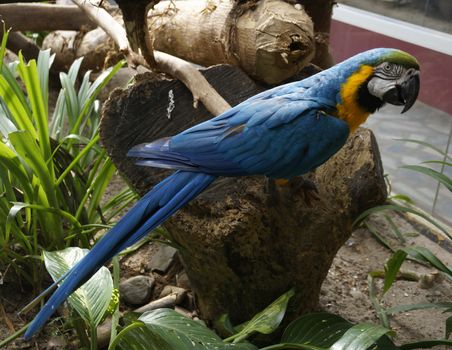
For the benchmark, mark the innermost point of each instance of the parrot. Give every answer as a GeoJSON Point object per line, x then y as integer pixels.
{"type": "Point", "coordinates": [281, 133]}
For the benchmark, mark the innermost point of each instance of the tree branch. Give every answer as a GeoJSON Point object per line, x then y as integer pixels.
{"type": "Point", "coordinates": [182, 70]}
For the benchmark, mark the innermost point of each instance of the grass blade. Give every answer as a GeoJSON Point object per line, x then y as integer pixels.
{"type": "Point", "coordinates": [443, 179]}
{"type": "Point", "coordinates": [392, 268]}
{"type": "Point", "coordinates": [399, 208]}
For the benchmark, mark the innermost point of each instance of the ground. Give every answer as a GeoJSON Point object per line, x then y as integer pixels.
{"type": "Point", "coordinates": [345, 291]}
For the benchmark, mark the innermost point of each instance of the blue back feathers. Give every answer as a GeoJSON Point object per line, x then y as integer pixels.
{"type": "Point", "coordinates": [281, 133]}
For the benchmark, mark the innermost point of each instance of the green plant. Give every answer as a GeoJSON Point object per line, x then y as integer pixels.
{"type": "Point", "coordinates": [392, 272]}
{"type": "Point", "coordinates": [54, 173]}
{"type": "Point", "coordinates": [91, 300]}
{"type": "Point", "coordinates": [421, 255]}
{"type": "Point", "coordinates": [165, 329]}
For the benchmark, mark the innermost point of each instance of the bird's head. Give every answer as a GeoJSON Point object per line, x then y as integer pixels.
{"type": "Point", "coordinates": [395, 79]}
{"type": "Point", "coordinates": [377, 77]}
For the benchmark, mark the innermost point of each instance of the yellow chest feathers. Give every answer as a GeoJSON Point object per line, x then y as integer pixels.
{"type": "Point", "coordinates": [349, 110]}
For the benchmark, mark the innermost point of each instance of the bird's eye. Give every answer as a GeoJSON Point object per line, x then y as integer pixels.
{"type": "Point", "coordinates": [387, 67]}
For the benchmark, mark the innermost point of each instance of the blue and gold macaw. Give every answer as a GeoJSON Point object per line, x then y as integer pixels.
{"type": "Point", "coordinates": [280, 133]}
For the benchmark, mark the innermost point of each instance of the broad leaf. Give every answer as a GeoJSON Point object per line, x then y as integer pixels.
{"type": "Point", "coordinates": [92, 299]}
{"type": "Point", "coordinates": [325, 331]}
{"type": "Point", "coordinates": [360, 337]}
{"type": "Point", "coordinates": [267, 320]}
{"type": "Point", "coordinates": [319, 329]}
{"type": "Point", "coordinates": [165, 329]}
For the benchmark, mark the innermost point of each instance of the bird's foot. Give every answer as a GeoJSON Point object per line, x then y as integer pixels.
{"type": "Point", "coordinates": [273, 195]}
{"type": "Point", "coordinates": [307, 189]}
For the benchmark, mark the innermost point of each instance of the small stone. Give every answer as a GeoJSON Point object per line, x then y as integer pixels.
{"type": "Point", "coordinates": [297, 6]}
{"type": "Point", "coordinates": [182, 280]}
{"type": "Point", "coordinates": [357, 294]}
{"type": "Point", "coordinates": [56, 343]}
{"type": "Point", "coordinates": [162, 258]}
{"type": "Point", "coordinates": [136, 290]}
{"type": "Point", "coordinates": [179, 292]}
{"type": "Point", "coordinates": [103, 333]}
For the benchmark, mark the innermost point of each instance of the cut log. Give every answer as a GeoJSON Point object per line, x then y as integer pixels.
{"type": "Point", "coordinates": [43, 17]}
{"type": "Point", "coordinates": [320, 11]}
{"type": "Point", "coordinates": [240, 249]}
{"type": "Point", "coordinates": [270, 40]}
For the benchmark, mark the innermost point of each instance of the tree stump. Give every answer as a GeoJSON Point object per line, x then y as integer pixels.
{"type": "Point", "coordinates": [242, 250]}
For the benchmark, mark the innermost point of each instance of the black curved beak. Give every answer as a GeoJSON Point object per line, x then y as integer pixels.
{"type": "Point", "coordinates": [404, 93]}
{"type": "Point", "coordinates": [410, 91]}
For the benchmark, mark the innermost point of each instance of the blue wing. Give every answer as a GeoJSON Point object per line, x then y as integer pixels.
{"type": "Point", "coordinates": [270, 134]}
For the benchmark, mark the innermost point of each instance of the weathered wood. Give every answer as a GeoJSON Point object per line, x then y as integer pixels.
{"type": "Point", "coordinates": [40, 17]}
{"type": "Point", "coordinates": [240, 250]}
{"type": "Point", "coordinates": [270, 40]}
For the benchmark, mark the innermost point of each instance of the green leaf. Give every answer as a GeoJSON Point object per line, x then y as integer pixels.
{"type": "Point", "coordinates": [93, 298]}
{"type": "Point", "coordinates": [64, 214]}
{"type": "Point", "coordinates": [423, 254]}
{"type": "Point", "coordinates": [27, 148]}
{"type": "Point", "coordinates": [17, 108]}
{"type": "Point", "coordinates": [165, 329]}
{"type": "Point", "coordinates": [395, 207]}
{"type": "Point", "coordinates": [443, 179]}
{"type": "Point", "coordinates": [43, 66]}
{"type": "Point", "coordinates": [6, 125]}
{"type": "Point", "coordinates": [360, 337]}
{"type": "Point", "coordinates": [411, 307]}
{"type": "Point", "coordinates": [392, 268]}
{"type": "Point", "coordinates": [402, 197]}
{"type": "Point", "coordinates": [30, 77]}
{"type": "Point", "coordinates": [265, 321]}
{"type": "Point", "coordinates": [426, 144]}
{"type": "Point", "coordinates": [93, 91]}
{"type": "Point", "coordinates": [381, 312]}
{"type": "Point", "coordinates": [441, 162]}
{"type": "Point", "coordinates": [325, 331]}
{"type": "Point", "coordinates": [70, 94]}
{"type": "Point", "coordinates": [5, 34]}
{"type": "Point", "coordinates": [320, 329]}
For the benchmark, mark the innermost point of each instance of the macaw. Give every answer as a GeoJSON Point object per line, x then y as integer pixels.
{"type": "Point", "coordinates": [281, 133]}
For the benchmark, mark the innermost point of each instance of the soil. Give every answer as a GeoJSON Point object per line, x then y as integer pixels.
{"type": "Point", "coordinates": [344, 292]}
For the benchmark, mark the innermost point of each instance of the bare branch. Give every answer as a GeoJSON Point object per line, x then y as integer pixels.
{"type": "Point", "coordinates": [194, 81]}
{"type": "Point", "coordinates": [182, 70]}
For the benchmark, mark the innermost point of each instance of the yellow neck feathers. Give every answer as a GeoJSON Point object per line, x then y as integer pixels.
{"type": "Point", "coordinates": [349, 109]}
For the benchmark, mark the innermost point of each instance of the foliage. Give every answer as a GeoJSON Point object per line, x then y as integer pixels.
{"type": "Point", "coordinates": [54, 173]}
{"type": "Point", "coordinates": [166, 329]}
{"type": "Point", "coordinates": [402, 203]}
{"type": "Point", "coordinates": [417, 254]}
{"type": "Point", "coordinates": [92, 300]}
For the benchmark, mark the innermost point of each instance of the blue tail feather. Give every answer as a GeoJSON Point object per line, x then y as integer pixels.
{"type": "Point", "coordinates": [150, 211]}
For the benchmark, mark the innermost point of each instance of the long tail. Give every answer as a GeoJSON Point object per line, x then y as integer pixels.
{"type": "Point", "coordinates": [150, 211]}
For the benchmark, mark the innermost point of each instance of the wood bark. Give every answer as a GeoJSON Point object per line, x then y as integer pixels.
{"type": "Point", "coordinates": [241, 248]}
{"type": "Point", "coordinates": [43, 17]}
{"type": "Point", "coordinates": [270, 40]}
{"type": "Point", "coordinates": [320, 11]}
